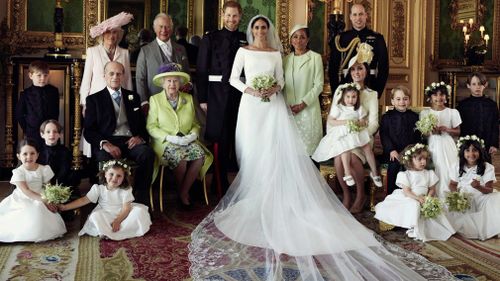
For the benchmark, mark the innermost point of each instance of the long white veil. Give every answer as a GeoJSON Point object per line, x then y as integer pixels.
{"type": "Point", "coordinates": [272, 36]}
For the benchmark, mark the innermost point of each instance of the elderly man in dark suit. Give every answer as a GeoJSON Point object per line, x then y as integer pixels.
{"type": "Point", "coordinates": [160, 51]}
{"type": "Point", "coordinates": [116, 128]}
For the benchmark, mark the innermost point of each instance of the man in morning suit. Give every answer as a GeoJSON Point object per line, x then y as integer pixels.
{"type": "Point", "coordinates": [217, 98]}
{"type": "Point", "coordinates": [160, 51]}
{"type": "Point", "coordinates": [379, 67]}
{"type": "Point", "coordinates": [116, 128]}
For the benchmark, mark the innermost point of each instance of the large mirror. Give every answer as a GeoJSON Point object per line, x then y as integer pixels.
{"type": "Point", "coordinates": [462, 11]}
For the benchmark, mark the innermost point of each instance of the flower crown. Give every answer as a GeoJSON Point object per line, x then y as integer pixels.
{"type": "Point", "coordinates": [112, 163]}
{"type": "Point", "coordinates": [462, 140]}
{"type": "Point", "coordinates": [435, 85]}
{"type": "Point", "coordinates": [408, 155]}
{"type": "Point", "coordinates": [349, 85]}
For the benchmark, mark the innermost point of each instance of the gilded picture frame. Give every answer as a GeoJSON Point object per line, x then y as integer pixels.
{"type": "Point", "coordinates": [17, 19]}
{"type": "Point", "coordinates": [453, 41]}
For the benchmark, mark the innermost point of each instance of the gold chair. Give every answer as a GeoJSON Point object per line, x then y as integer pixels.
{"type": "Point", "coordinates": [151, 191]}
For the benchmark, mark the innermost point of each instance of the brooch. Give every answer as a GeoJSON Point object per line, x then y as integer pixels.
{"type": "Point", "coordinates": [184, 101]}
{"type": "Point", "coordinates": [130, 97]}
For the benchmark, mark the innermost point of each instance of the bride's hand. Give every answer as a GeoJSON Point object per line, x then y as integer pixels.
{"type": "Point", "coordinates": [271, 91]}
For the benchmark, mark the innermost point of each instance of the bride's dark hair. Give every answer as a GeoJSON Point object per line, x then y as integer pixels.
{"type": "Point", "coordinates": [259, 18]}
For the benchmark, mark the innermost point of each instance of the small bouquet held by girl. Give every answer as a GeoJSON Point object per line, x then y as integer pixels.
{"type": "Point", "coordinates": [56, 193]}
{"type": "Point", "coordinates": [264, 82]}
{"type": "Point", "coordinates": [414, 206]}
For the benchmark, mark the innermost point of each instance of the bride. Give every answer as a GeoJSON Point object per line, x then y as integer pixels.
{"type": "Point", "coordinates": [279, 219]}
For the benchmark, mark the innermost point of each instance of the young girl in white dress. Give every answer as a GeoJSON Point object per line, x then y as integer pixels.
{"type": "Point", "coordinates": [402, 207]}
{"type": "Point", "coordinates": [441, 144]}
{"type": "Point", "coordinates": [475, 176]}
{"type": "Point", "coordinates": [24, 215]}
{"type": "Point", "coordinates": [339, 139]}
{"type": "Point", "coordinates": [115, 216]}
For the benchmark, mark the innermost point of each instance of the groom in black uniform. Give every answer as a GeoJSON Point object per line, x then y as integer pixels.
{"type": "Point", "coordinates": [217, 97]}
{"type": "Point", "coordinates": [379, 67]}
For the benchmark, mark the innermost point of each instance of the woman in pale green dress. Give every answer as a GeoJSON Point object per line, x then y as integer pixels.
{"type": "Point", "coordinates": [303, 84]}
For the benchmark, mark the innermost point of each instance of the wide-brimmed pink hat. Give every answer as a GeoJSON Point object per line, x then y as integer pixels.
{"type": "Point", "coordinates": [113, 22]}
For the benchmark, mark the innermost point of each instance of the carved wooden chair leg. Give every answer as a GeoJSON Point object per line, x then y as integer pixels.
{"type": "Point", "coordinates": [205, 190]}
{"type": "Point", "coordinates": [372, 196]}
{"type": "Point", "coordinates": [161, 187]}
{"type": "Point", "coordinates": [151, 197]}
{"type": "Point", "coordinates": [385, 226]}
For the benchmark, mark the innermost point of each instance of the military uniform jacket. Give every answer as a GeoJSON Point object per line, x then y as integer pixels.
{"type": "Point", "coordinates": [380, 60]}
{"type": "Point", "coordinates": [215, 58]}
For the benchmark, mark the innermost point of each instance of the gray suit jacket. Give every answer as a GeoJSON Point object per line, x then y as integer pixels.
{"type": "Point", "coordinates": [148, 62]}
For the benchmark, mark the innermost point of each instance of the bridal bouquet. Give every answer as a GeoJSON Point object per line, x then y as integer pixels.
{"type": "Point", "coordinates": [431, 208]}
{"type": "Point", "coordinates": [458, 202]}
{"type": "Point", "coordinates": [56, 193]}
{"type": "Point", "coordinates": [263, 82]}
{"type": "Point", "coordinates": [353, 126]}
{"type": "Point", "coordinates": [427, 124]}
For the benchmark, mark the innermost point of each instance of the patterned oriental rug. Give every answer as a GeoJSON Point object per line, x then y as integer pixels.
{"type": "Point", "coordinates": [162, 254]}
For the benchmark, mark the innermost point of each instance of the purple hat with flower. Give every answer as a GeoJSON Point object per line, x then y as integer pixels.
{"type": "Point", "coordinates": [170, 69]}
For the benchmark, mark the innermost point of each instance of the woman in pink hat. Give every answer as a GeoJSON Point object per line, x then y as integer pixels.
{"type": "Point", "coordinates": [109, 33]}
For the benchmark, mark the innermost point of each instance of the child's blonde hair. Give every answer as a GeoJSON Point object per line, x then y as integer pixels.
{"type": "Point", "coordinates": [401, 88]}
{"type": "Point", "coordinates": [116, 164]}
{"type": "Point", "coordinates": [51, 121]}
{"type": "Point", "coordinates": [38, 66]}
{"type": "Point", "coordinates": [410, 151]}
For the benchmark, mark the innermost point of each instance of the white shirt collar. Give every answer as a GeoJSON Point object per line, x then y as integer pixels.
{"type": "Point", "coordinates": [160, 43]}
{"type": "Point", "coordinates": [111, 91]}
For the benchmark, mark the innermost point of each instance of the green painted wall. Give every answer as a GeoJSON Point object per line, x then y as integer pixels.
{"type": "Point", "coordinates": [178, 9]}
{"type": "Point", "coordinates": [317, 28]}
{"type": "Point", "coordinates": [252, 8]}
{"type": "Point", "coordinates": [40, 15]}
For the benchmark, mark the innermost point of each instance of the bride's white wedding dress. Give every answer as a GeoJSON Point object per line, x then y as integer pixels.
{"type": "Point", "coordinates": [279, 219]}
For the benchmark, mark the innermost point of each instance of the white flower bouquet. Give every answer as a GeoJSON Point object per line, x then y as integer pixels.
{"type": "Point", "coordinates": [431, 208]}
{"type": "Point", "coordinates": [263, 82]}
{"type": "Point", "coordinates": [353, 126]}
{"type": "Point", "coordinates": [56, 193]}
{"type": "Point", "coordinates": [457, 201]}
{"type": "Point", "coordinates": [427, 124]}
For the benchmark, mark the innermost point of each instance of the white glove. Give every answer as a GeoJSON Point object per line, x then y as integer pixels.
{"type": "Point", "coordinates": [191, 137]}
{"type": "Point", "coordinates": [174, 139]}
{"type": "Point", "coordinates": [185, 140]}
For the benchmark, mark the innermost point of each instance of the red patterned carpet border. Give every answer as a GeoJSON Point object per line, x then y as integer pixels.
{"type": "Point", "coordinates": [162, 253]}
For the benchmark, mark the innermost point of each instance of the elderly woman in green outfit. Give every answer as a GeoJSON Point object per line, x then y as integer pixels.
{"type": "Point", "coordinates": [174, 129]}
{"type": "Point", "coordinates": [303, 85]}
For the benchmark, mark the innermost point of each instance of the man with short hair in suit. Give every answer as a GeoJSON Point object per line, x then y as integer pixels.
{"type": "Point", "coordinates": [116, 128]}
{"type": "Point", "coordinates": [160, 51]}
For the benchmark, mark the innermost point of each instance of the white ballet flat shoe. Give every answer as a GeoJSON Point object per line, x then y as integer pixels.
{"type": "Point", "coordinates": [349, 180]}
{"type": "Point", "coordinates": [377, 180]}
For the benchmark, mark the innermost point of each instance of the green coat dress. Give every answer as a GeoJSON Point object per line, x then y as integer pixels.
{"type": "Point", "coordinates": [163, 120]}
{"type": "Point", "coordinates": [304, 83]}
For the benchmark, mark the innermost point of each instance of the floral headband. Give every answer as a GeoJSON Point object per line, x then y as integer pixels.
{"type": "Point", "coordinates": [112, 163]}
{"type": "Point", "coordinates": [462, 140]}
{"type": "Point", "coordinates": [349, 85]}
{"type": "Point", "coordinates": [435, 85]}
{"type": "Point", "coordinates": [408, 155]}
